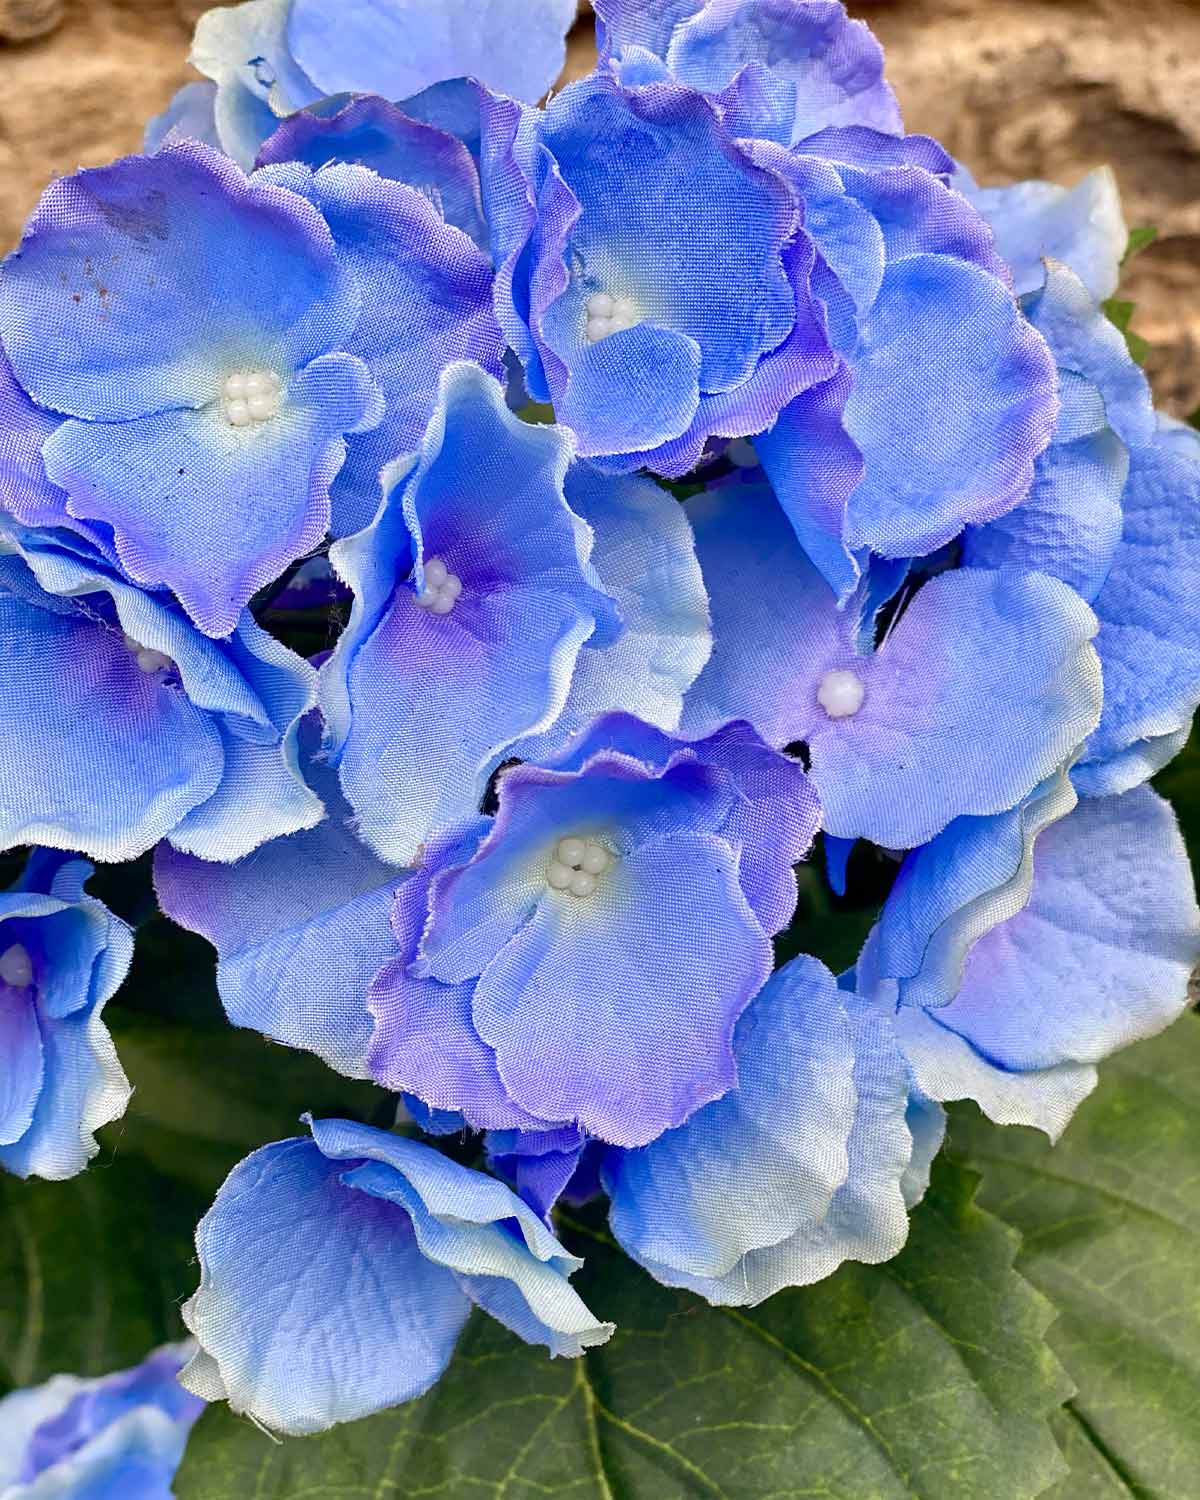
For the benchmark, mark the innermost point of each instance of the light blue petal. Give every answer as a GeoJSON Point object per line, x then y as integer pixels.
{"type": "Point", "coordinates": [647, 24]}
{"type": "Point", "coordinates": [463, 1220]}
{"type": "Point", "coordinates": [399, 47]}
{"type": "Point", "coordinates": [244, 49]}
{"type": "Point", "coordinates": [1080, 226]}
{"type": "Point", "coordinates": [975, 874]}
{"type": "Point", "coordinates": [154, 481]}
{"type": "Point", "coordinates": [301, 927]}
{"type": "Point", "coordinates": [831, 1190]}
{"type": "Point", "coordinates": [945, 352]}
{"type": "Point", "coordinates": [191, 113]}
{"type": "Point", "coordinates": [583, 994]}
{"type": "Point", "coordinates": [1149, 640]}
{"type": "Point", "coordinates": [315, 1303]}
{"type": "Point", "coordinates": [645, 559]}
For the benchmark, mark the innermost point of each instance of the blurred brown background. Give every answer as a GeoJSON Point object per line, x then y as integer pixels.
{"type": "Point", "coordinates": [1016, 88]}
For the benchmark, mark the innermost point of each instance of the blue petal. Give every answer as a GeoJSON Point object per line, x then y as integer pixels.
{"type": "Point", "coordinates": [647, 24]}
{"type": "Point", "coordinates": [832, 67]}
{"type": "Point", "coordinates": [944, 351]}
{"type": "Point", "coordinates": [24, 1065]}
{"type": "Point", "coordinates": [438, 698]}
{"type": "Point", "coordinates": [588, 990]}
{"type": "Point", "coordinates": [273, 479]}
{"type": "Point", "coordinates": [1099, 957]}
{"type": "Point", "coordinates": [1149, 620]}
{"type": "Point", "coordinates": [795, 1171]}
{"type": "Point", "coordinates": [1081, 226]}
{"type": "Point", "coordinates": [464, 1220]}
{"type": "Point", "coordinates": [436, 287]}
{"type": "Point", "coordinates": [396, 49]}
{"type": "Point", "coordinates": [370, 132]}
{"type": "Point", "coordinates": [316, 1304]}
{"type": "Point", "coordinates": [301, 927]}
{"type": "Point", "coordinates": [975, 874]}
{"type": "Point", "coordinates": [645, 559]}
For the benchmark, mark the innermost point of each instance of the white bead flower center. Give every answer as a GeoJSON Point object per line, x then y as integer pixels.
{"type": "Point", "coordinates": [147, 659]}
{"type": "Point", "coordinates": [16, 967]}
{"type": "Point", "coordinates": [841, 694]}
{"type": "Point", "coordinates": [251, 396]}
{"type": "Point", "coordinates": [442, 588]}
{"type": "Point", "coordinates": [608, 314]}
{"type": "Point", "coordinates": [577, 866]}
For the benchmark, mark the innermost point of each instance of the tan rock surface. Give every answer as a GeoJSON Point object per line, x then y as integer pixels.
{"type": "Point", "coordinates": [1017, 88]}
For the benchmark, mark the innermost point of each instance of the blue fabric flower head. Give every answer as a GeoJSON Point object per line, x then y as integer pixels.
{"type": "Point", "coordinates": [514, 832]}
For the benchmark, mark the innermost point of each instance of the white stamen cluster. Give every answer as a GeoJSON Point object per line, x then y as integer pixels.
{"type": "Point", "coordinates": [577, 865]}
{"type": "Point", "coordinates": [16, 967]}
{"type": "Point", "coordinates": [841, 693]}
{"type": "Point", "coordinates": [251, 396]}
{"type": "Point", "coordinates": [442, 588]}
{"type": "Point", "coordinates": [607, 314]}
{"type": "Point", "coordinates": [147, 659]}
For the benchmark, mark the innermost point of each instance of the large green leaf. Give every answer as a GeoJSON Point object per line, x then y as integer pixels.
{"type": "Point", "coordinates": [927, 1377]}
{"type": "Point", "coordinates": [1111, 1225]}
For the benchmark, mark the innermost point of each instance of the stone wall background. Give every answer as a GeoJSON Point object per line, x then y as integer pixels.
{"type": "Point", "coordinates": [1016, 88]}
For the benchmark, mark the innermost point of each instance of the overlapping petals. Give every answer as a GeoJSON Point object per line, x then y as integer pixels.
{"type": "Point", "coordinates": [337, 1272]}
{"type": "Point", "coordinates": [147, 729]}
{"type": "Point", "coordinates": [63, 954]}
{"type": "Point", "coordinates": [908, 736]}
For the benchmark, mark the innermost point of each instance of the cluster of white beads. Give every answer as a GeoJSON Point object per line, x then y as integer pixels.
{"type": "Point", "coordinates": [442, 588]}
{"type": "Point", "coordinates": [147, 659]}
{"type": "Point", "coordinates": [251, 396]}
{"type": "Point", "coordinates": [607, 314]}
{"type": "Point", "coordinates": [16, 967]}
{"type": "Point", "coordinates": [576, 866]}
{"type": "Point", "coordinates": [841, 693]}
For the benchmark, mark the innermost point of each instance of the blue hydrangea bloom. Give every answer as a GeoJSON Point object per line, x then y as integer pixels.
{"type": "Point", "coordinates": [63, 954]}
{"type": "Point", "coordinates": [618, 907]}
{"type": "Point", "coordinates": [190, 328]}
{"type": "Point", "coordinates": [933, 723]}
{"type": "Point", "coordinates": [146, 728]}
{"type": "Point", "coordinates": [301, 926]}
{"type": "Point", "coordinates": [473, 596]}
{"type": "Point", "coordinates": [781, 69]}
{"type": "Point", "coordinates": [809, 1162]}
{"type": "Point", "coordinates": [1099, 956]}
{"type": "Point", "coordinates": [1082, 226]}
{"type": "Point", "coordinates": [338, 1271]}
{"type": "Point", "coordinates": [119, 1435]}
{"type": "Point", "coordinates": [657, 291]}
{"type": "Point", "coordinates": [268, 57]}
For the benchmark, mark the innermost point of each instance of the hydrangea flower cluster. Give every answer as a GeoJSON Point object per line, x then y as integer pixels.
{"type": "Point", "coordinates": [517, 845]}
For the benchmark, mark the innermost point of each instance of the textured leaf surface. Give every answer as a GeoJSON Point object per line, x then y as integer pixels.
{"type": "Point", "coordinates": [1111, 1225]}
{"type": "Point", "coordinates": [928, 1377]}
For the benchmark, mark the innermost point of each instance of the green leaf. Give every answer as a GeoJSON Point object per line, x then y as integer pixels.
{"type": "Point", "coordinates": [93, 1269]}
{"type": "Point", "coordinates": [926, 1377]}
{"type": "Point", "coordinates": [1120, 314]}
{"type": "Point", "coordinates": [1110, 1219]}
{"type": "Point", "coordinates": [1139, 239]}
